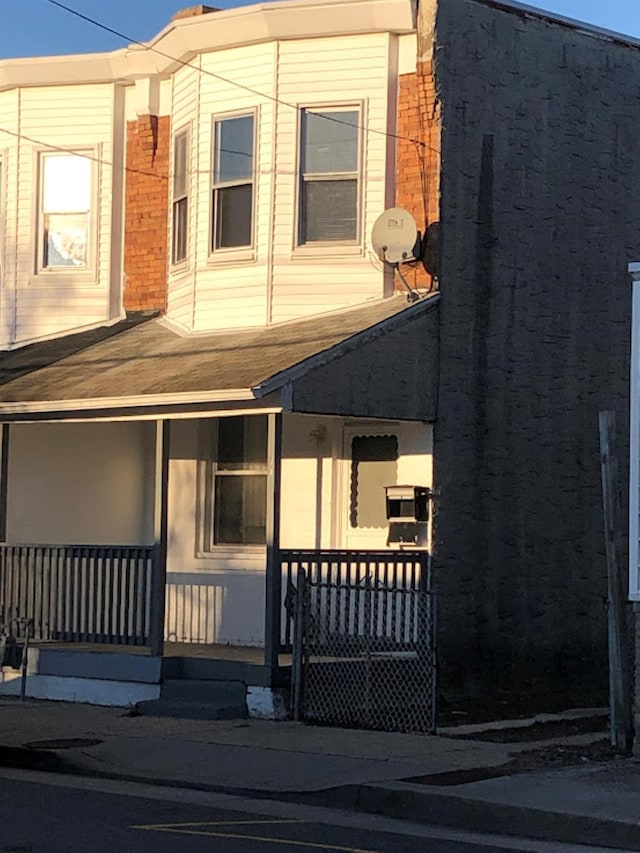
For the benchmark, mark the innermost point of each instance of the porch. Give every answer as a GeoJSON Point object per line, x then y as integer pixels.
{"type": "Point", "coordinates": [90, 614]}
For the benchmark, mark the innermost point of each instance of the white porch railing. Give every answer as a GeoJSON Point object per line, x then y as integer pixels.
{"type": "Point", "coordinates": [77, 593]}
{"type": "Point", "coordinates": [348, 576]}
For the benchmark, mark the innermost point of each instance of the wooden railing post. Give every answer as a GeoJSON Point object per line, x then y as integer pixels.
{"type": "Point", "coordinates": [273, 589]}
{"type": "Point", "coordinates": [160, 525]}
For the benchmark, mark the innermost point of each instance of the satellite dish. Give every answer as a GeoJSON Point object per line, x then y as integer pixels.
{"type": "Point", "coordinates": [394, 236]}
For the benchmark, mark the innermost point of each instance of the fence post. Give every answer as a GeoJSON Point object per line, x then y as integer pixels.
{"type": "Point", "coordinates": [298, 642]}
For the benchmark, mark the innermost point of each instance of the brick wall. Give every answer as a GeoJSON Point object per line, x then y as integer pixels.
{"type": "Point", "coordinates": [146, 214]}
{"type": "Point", "coordinates": [418, 163]}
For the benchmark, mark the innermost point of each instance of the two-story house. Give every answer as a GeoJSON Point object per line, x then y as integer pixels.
{"type": "Point", "coordinates": [207, 366]}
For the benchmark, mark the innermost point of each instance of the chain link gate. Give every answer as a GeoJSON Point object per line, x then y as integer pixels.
{"type": "Point", "coordinates": [364, 640]}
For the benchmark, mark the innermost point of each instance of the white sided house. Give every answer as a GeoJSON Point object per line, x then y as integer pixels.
{"type": "Point", "coordinates": [208, 379]}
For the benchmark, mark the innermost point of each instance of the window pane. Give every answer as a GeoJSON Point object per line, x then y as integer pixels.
{"type": "Point", "coordinates": [373, 466]}
{"type": "Point", "coordinates": [240, 510]}
{"type": "Point", "coordinates": [67, 184]}
{"type": "Point", "coordinates": [65, 240]}
{"type": "Point", "coordinates": [180, 222]}
{"type": "Point", "coordinates": [242, 443]}
{"type": "Point", "coordinates": [180, 165]}
{"type": "Point", "coordinates": [232, 216]}
{"type": "Point", "coordinates": [329, 211]}
{"type": "Point", "coordinates": [329, 146]}
{"type": "Point", "coordinates": [234, 149]}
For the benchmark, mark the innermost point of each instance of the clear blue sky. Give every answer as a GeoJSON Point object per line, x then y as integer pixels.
{"type": "Point", "coordinates": [35, 27]}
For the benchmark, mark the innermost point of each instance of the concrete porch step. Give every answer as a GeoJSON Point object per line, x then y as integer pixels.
{"type": "Point", "coordinates": [198, 700]}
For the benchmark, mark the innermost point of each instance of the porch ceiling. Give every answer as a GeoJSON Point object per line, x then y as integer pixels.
{"type": "Point", "coordinates": [147, 364]}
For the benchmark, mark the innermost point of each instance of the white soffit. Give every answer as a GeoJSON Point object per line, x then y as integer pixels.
{"type": "Point", "coordinates": [183, 39]}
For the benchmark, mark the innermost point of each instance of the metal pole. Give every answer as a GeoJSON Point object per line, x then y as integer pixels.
{"type": "Point", "coordinates": [160, 524]}
{"type": "Point", "coordinates": [25, 659]}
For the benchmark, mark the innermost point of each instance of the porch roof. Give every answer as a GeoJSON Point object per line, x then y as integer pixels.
{"type": "Point", "coordinates": [147, 364]}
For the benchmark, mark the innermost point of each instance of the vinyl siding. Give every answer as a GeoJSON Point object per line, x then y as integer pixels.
{"type": "Point", "coordinates": [63, 117]}
{"type": "Point", "coordinates": [273, 281]}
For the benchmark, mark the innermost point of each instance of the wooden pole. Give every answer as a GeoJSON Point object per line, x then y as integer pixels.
{"type": "Point", "coordinates": [273, 594]}
{"type": "Point", "coordinates": [159, 574]}
{"type": "Point", "coordinates": [619, 670]}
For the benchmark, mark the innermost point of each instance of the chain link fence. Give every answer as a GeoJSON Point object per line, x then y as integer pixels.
{"type": "Point", "coordinates": [363, 644]}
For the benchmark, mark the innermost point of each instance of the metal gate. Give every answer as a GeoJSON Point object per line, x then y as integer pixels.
{"type": "Point", "coordinates": [363, 640]}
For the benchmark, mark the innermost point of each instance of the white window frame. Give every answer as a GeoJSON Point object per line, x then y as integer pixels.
{"type": "Point", "coordinates": [207, 474]}
{"type": "Point", "coordinates": [180, 198]}
{"type": "Point", "coordinates": [81, 274]}
{"type": "Point", "coordinates": [230, 253]}
{"type": "Point", "coordinates": [347, 246]}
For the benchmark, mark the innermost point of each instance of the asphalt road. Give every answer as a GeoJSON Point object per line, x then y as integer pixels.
{"type": "Point", "coordinates": [42, 813]}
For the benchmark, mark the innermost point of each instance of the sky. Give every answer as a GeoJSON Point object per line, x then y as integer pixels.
{"type": "Point", "coordinates": [38, 28]}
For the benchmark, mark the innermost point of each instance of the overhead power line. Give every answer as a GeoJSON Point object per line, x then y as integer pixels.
{"type": "Point", "coordinates": [235, 83]}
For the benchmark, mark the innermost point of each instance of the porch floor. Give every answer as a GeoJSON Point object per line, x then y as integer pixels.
{"type": "Point", "coordinates": [215, 651]}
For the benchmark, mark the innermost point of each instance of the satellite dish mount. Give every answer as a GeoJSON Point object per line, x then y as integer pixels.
{"type": "Point", "coordinates": [395, 239]}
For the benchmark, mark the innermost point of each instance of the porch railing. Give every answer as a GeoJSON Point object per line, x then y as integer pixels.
{"type": "Point", "coordinates": [81, 593]}
{"type": "Point", "coordinates": [341, 574]}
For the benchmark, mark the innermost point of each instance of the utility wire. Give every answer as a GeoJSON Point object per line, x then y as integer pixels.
{"type": "Point", "coordinates": [219, 77]}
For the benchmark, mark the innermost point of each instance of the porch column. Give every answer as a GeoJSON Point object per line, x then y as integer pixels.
{"type": "Point", "coordinates": [4, 479]}
{"type": "Point", "coordinates": [159, 575]}
{"type": "Point", "coordinates": [273, 603]}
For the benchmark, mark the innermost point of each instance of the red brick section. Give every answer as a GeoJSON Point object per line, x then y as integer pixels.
{"type": "Point", "coordinates": [418, 166]}
{"type": "Point", "coordinates": [146, 214]}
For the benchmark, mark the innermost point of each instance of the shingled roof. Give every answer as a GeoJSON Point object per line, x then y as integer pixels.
{"type": "Point", "coordinates": [143, 359]}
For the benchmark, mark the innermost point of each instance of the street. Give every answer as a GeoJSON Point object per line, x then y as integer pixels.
{"type": "Point", "coordinates": [45, 813]}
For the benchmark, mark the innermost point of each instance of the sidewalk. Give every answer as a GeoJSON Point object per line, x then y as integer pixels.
{"type": "Point", "coordinates": [376, 772]}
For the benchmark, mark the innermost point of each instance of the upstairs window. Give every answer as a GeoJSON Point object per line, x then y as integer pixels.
{"type": "Point", "coordinates": [329, 176]}
{"type": "Point", "coordinates": [233, 183]}
{"type": "Point", "coordinates": [66, 190]}
{"type": "Point", "coordinates": [180, 197]}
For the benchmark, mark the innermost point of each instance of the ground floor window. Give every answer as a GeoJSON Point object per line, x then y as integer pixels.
{"type": "Point", "coordinates": [236, 482]}
{"type": "Point", "coordinates": [374, 462]}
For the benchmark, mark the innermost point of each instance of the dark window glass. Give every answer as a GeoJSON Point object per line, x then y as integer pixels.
{"type": "Point", "coordinates": [240, 510]}
{"type": "Point", "coordinates": [329, 211]}
{"type": "Point", "coordinates": [180, 222]}
{"type": "Point", "coordinates": [232, 216]}
{"type": "Point", "coordinates": [234, 150]}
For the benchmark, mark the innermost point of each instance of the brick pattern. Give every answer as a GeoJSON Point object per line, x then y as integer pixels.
{"type": "Point", "coordinates": [146, 214]}
{"type": "Point", "coordinates": [418, 165]}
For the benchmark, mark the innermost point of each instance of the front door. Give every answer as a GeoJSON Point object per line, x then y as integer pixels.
{"type": "Point", "coordinates": [371, 464]}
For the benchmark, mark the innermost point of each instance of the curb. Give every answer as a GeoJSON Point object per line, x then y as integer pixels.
{"type": "Point", "coordinates": [405, 801]}
{"type": "Point", "coordinates": [400, 800]}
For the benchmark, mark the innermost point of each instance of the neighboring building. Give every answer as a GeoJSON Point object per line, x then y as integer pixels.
{"type": "Point", "coordinates": [231, 188]}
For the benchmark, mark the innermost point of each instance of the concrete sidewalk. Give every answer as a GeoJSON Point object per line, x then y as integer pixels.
{"type": "Point", "coordinates": [361, 770]}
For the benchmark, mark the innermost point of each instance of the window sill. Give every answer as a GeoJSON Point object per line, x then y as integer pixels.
{"type": "Point", "coordinates": [65, 277]}
{"type": "Point", "coordinates": [176, 270]}
{"type": "Point", "coordinates": [232, 552]}
{"type": "Point", "coordinates": [325, 250]}
{"type": "Point", "coordinates": [231, 257]}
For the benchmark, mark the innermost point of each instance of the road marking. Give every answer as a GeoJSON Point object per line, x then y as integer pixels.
{"type": "Point", "coordinates": [213, 823]}
{"type": "Point", "coordinates": [181, 829]}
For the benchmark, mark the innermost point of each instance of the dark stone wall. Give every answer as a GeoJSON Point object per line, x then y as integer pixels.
{"type": "Point", "coordinates": [540, 215]}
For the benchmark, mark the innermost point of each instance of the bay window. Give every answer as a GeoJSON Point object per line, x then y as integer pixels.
{"type": "Point", "coordinates": [329, 176]}
{"type": "Point", "coordinates": [232, 201]}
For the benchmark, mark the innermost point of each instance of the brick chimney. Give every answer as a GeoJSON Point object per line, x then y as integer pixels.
{"type": "Point", "coordinates": [146, 214]}
{"type": "Point", "coordinates": [193, 11]}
